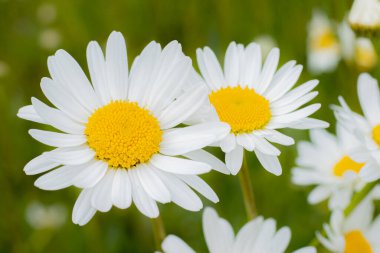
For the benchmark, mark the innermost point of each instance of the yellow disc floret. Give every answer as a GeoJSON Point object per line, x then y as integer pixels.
{"type": "Point", "coordinates": [376, 134]}
{"type": "Point", "coordinates": [242, 108]}
{"type": "Point", "coordinates": [325, 40]}
{"type": "Point", "coordinates": [346, 164]}
{"type": "Point", "coordinates": [357, 243]}
{"type": "Point", "coordinates": [123, 134]}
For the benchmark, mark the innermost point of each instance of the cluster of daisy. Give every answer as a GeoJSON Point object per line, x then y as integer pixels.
{"type": "Point", "coordinates": [137, 136]}
{"type": "Point", "coordinates": [328, 43]}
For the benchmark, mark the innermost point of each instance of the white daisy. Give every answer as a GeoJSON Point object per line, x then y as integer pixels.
{"type": "Point", "coordinates": [325, 162]}
{"type": "Point", "coordinates": [323, 50]}
{"type": "Point", "coordinates": [366, 129]}
{"type": "Point", "coordinates": [365, 16]}
{"type": "Point", "coordinates": [119, 141]}
{"type": "Point", "coordinates": [357, 233]}
{"type": "Point", "coordinates": [257, 236]}
{"type": "Point", "coordinates": [255, 101]}
{"type": "Point", "coordinates": [358, 51]}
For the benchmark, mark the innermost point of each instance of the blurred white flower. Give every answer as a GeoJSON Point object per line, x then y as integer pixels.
{"type": "Point", "coordinates": [364, 16]}
{"type": "Point", "coordinates": [256, 99]}
{"type": "Point", "coordinates": [46, 13]}
{"type": "Point", "coordinates": [266, 43]}
{"type": "Point", "coordinates": [366, 129]}
{"type": "Point", "coordinates": [50, 39]}
{"type": "Point", "coordinates": [323, 50]}
{"type": "Point", "coordinates": [325, 162]}
{"type": "Point", "coordinates": [257, 236]}
{"type": "Point", "coordinates": [358, 233]}
{"type": "Point", "coordinates": [359, 51]}
{"type": "Point", "coordinates": [119, 140]}
{"type": "Point", "coordinates": [41, 216]}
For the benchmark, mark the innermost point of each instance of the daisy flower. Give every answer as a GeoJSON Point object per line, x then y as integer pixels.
{"type": "Point", "coordinates": [366, 129]}
{"type": "Point", "coordinates": [257, 236]}
{"type": "Point", "coordinates": [357, 233]}
{"type": "Point", "coordinates": [323, 50]}
{"type": "Point", "coordinates": [364, 16]}
{"type": "Point", "coordinates": [255, 101]}
{"type": "Point", "coordinates": [118, 139]}
{"type": "Point", "coordinates": [357, 50]}
{"type": "Point", "coordinates": [325, 162]}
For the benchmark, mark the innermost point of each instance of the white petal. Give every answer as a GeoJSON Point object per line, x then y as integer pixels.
{"type": "Point", "coordinates": [228, 143]}
{"type": "Point", "coordinates": [200, 186]}
{"type": "Point", "coordinates": [205, 157]}
{"type": "Point", "coordinates": [210, 68]}
{"type": "Point", "coordinates": [57, 179]}
{"type": "Point", "coordinates": [295, 116]}
{"type": "Point", "coordinates": [231, 65]}
{"type": "Point", "coordinates": [277, 137]}
{"type": "Point", "coordinates": [67, 72]}
{"type": "Point", "coordinates": [306, 250]}
{"type": "Point", "coordinates": [279, 78]}
{"type": "Point", "coordinates": [264, 146]}
{"type": "Point", "coordinates": [27, 112]}
{"type": "Point", "coordinates": [64, 101]}
{"type": "Point", "coordinates": [71, 155]}
{"type": "Point", "coordinates": [245, 141]}
{"type": "Point", "coordinates": [173, 244]}
{"type": "Point", "coordinates": [269, 162]}
{"type": "Point", "coordinates": [83, 211]}
{"type": "Point", "coordinates": [152, 184]}
{"type": "Point", "coordinates": [90, 174]}
{"type": "Point", "coordinates": [252, 67]}
{"type": "Point", "coordinates": [280, 241]}
{"type": "Point", "coordinates": [179, 165]}
{"type": "Point", "coordinates": [102, 194]}
{"type": "Point", "coordinates": [182, 108]}
{"type": "Point", "coordinates": [183, 140]}
{"type": "Point", "coordinates": [181, 194]}
{"type": "Point", "coordinates": [269, 69]}
{"type": "Point", "coordinates": [56, 118]}
{"type": "Point", "coordinates": [143, 202]}
{"type": "Point", "coordinates": [369, 97]}
{"type": "Point", "coordinates": [39, 164]}
{"type": "Point", "coordinates": [121, 189]}
{"type": "Point", "coordinates": [282, 88]}
{"type": "Point", "coordinates": [319, 194]}
{"type": "Point", "coordinates": [234, 159]}
{"type": "Point", "coordinates": [57, 139]}
{"type": "Point", "coordinates": [117, 66]}
{"type": "Point", "coordinates": [295, 105]}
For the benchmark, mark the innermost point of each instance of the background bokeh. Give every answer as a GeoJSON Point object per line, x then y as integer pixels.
{"type": "Point", "coordinates": [31, 30]}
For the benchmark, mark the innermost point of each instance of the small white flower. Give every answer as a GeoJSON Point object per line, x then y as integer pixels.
{"type": "Point", "coordinates": [366, 129]}
{"type": "Point", "coordinates": [357, 233]}
{"type": "Point", "coordinates": [266, 43]}
{"type": "Point", "coordinates": [256, 100]}
{"type": "Point", "coordinates": [120, 142]}
{"type": "Point", "coordinates": [365, 16]}
{"type": "Point", "coordinates": [41, 216]}
{"type": "Point", "coordinates": [359, 51]}
{"type": "Point", "coordinates": [325, 162]}
{"type": "Point", "coordinates": [257, 236]}
{"type": "Point", "coordinates": [323, 50]}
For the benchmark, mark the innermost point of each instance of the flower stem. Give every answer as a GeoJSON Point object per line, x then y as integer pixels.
{"type": "Point", "coordinates": [158, 231]}
{"type": "Point", "coordinates": [246, 187]}
{"type": "Point", "coordinates": [355, 201]}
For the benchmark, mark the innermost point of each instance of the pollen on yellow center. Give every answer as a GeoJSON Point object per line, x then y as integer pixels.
{"type": "Point", "coordinates": [346, 164]}
{"type": "Point", "coordinates": [123, 134]}
{"type": "Point", "coordinates": [242, 108]}
{"type": "Point", "coordinates": [376, 134]}
{"type": "Point", "coordinates": [357, 243]}
{"type": "Point", "coordinates": [324, 40]}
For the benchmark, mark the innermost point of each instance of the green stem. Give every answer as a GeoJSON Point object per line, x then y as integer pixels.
{"type": "Point", "coordinates": [247, 190]}
{"type": "Point", "coordinates": [356, 200]}
{"type": "Point", "coordinates": [158, 232]}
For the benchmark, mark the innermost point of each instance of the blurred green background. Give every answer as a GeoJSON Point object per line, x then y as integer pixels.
{"type": "Point", "coordinates": [30, 31]}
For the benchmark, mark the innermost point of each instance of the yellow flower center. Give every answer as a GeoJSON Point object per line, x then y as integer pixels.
{"type": "Point", "coordinates": [242, 108]}
{"type": "Point", "coordinates": [357, 243]}
{"type": "Point", "coordinates": [365, 57]}
{"type": "Point", "coordinates": [325, 40]}
{"type": "Point", "coordinates": [346, 164]}
{"type": "Point", "coordinates": [376, 134]}
{"type": "Point", "coordinates": [123, 134]}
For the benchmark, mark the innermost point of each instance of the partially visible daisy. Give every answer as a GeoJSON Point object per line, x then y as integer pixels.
{"type": "Point", "coordinates": [358, 233]}
{"type": "Point", "coordinates": [325, 162]}
{"type": "Point", "coordinates": [366, 129]}
{"type": "Point", "coordinates": [323, 50]}
{"type": "Point", "coordinates": [257, 236]}
{"type": "Point", "coordinates": [41, 216]}
{"type": "Point", "coordinates": [364, 16]}
{"type": "Point", "coordinates": [359, 51]}
{"type": "Point", "coordinates": [256, 100]}
{"type": "Point", "coordinates": [266, 42]}
{"type": "Point", "coordinates": [118, 139]}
